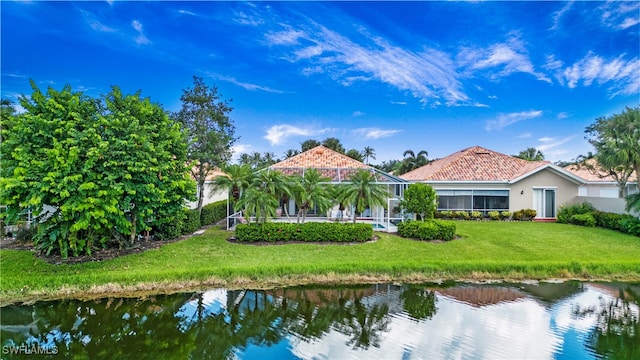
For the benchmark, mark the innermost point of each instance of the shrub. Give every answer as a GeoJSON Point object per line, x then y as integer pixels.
{"type": "Point", "coordinates": [608, 220]}
{"type": "Point", "coordinates": [567, 211]}
{"type": "Point", "coordinates": [506, 215]}
{"type": "Point", "coordinates": [191, 222]}
{"type": "Point", "coordinates": [630, 225]}
{"type": "Point", "coordinates": [461, 215]}
{"type": "Point", "coordinates": [446, 214]}
{"type": "Point", "coordinates": [476, 215]}
{"type": "Point", "coordinates": [524, 214]}
{"type": "Point", "coordinates": [311, 232]}
{"type": "Point", "coordinates": [212, 213]}
{"type": "Point", "coordinates": [427, 230]}
{"type": "Point", "coordinates": [583, 220]}
{"type": "Point", "coordinates": [494, 215]}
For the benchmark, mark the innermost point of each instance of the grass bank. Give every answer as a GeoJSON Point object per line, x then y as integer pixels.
{"type": "Point", "coordinates": [486, 250]}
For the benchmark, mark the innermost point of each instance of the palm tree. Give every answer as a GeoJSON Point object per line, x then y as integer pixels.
{"type": "Point", "coordinates": [367, 153]}
{"type": "Point", "coordinates": [257, 202]}
{"type": "Point", "coordinates": [309, 191]}
{"type": "Point", "coordinates": [236, 179]}
{"type": "Point", "coordinates": [291, 153]}
{"type": "Point", "coordinates": [362, 192]}
{"type": "Point", "coordinates": [413, 161]}
{"type": "Point", "coordinates": [275, 184]}
{"type": "Point", "coordinates": [531, 154]}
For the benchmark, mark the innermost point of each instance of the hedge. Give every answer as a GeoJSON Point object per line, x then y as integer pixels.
{"type": "Point", "coordinates": [582, 213]}
{"type": "Point", "coordinates": [583, 220]}
{"type": "Point", "coordinates": [311, 232]}
{"type": "Point", "coordinates": [212, 213]}
{"type": "Point", "coordinates": [427, 230]}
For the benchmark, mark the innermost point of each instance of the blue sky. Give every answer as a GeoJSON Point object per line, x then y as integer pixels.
{"type": "Point", "coordinates": [435, 76]}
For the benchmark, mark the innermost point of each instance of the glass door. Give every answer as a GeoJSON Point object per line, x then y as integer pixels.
{"type": "Point", "coordinates": [544, 203]}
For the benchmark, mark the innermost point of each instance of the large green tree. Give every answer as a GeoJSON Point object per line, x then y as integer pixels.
{"type": "Point", "coordinates": [333, 144]}
{"type": "Point", "coordinates": [211, 133]}
{"type": "Point", "coordinates": [420, 199]}
{"type": "Point", "coordinates": [110, 168]}
{"type": "Point", "coordinates": [363, 192]}
{"type": "Point", "coordinates": [309, 144]}
{"type": "Point", "coordinates": [617, 143]}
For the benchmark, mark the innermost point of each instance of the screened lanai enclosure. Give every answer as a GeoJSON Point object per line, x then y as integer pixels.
{"type": "Point", "coordinates": [381, 215]}
{"type": "Point", "coordinates": [338, 169]}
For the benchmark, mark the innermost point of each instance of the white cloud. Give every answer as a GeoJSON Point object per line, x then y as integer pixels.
{"type": "Point", "coordinates": [238, 149]}
{"type": "Point", "coordinates": [562, 115]}
{"type": "Point", "coordinates": [619, 15]}
{"type": "Point", "coordinates": [504, 120]}
{"type": "Point", "coordinates": [399, 102]}
{"type": "Point", "coordinates": [524, 136]}
{"type": "Point", "coordinates": [551, 147]}
{"type": "Point", "coordinates": [511, 56]}
{"type": "Point", "coordinates": [248, 86]}
{"type": "Point", "coordinates": [187, 12]}
{"type": "Point", "coordinates": [286, 37]}
{"type": "Point", "coordinates": [94, 23]}
{"type": "Point", "coordinates": [428, 75]}
{"type": "Point", "coordinates": [558, 15]}
{"type": "Point", "coordinates": [622, 75]}
{"type": "Point", "coordinates": [141, 39]}
{"type": "Point", "coordinates": [243, 18]}
{"type": "Point", "coordinates": [357, 113]}
{"type": "Point", "coordinates": [277, 134]}
{"type": "Point", "coordinates": [374, 133]}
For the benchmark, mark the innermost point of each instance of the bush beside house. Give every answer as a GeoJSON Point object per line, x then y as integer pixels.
{"type": "Point", "coordinates": [427, 230]}
{"type": "Point", "coordinates": [585, 214]}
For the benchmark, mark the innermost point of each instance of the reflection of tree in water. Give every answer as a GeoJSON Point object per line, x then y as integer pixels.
{"type": "Point", "coordinates": [364, 324]}
{"type": "Point", "coordinates": [418, 302]}
{"type": "Point", "coordinates": [165, 327]}
{"type": "Point", "coordinates": [617, 332]}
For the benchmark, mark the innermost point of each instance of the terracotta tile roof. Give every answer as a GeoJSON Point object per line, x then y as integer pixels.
{"type": "Point", "coordinates": [330, 164]}
{"type": "Point", "coordinates": [591, 174]}
{"type": "Point", "coordinates": [320, 157]}
{"type": "Point", "coordinates": [474, 164]}
{"type": "Point", "coordinates": [212, 174]}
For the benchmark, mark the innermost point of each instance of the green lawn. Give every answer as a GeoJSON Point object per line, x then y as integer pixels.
{"type": "Point", "coordinates": [486, 250]}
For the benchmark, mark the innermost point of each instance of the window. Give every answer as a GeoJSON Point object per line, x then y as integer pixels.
{"type": "Point", "coordinates": [478, 200]}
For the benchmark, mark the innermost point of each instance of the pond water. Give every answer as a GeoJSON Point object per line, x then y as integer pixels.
{"type": "Point", "coordinates": [569, 320]}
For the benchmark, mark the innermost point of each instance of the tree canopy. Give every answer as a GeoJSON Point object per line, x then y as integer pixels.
{"type": "Point", "coordinates": [420, 199]}
{"type": "Point", "coordinates": [110, 167]}
{"type": "Point", "coordinates": [211, 133]}
{"type": "Point", "coordinates": [617, 143]}
{"type": "Point", "coordinates": [530, 154]}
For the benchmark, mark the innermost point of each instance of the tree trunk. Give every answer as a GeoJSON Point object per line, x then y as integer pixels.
{"type": "Point", "coordinates": [200, 194]}
{"type": "Point", "coordinates": [134, 220]}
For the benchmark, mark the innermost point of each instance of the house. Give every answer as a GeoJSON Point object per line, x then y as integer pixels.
{"type": "Point", "coordinates": [601, 189]}
{"type": "Point", "coordinates": [338, 168]}
{"type": "Point", "coordinates": [479, 179]}
{"type": "Point", "coordinates": [211, 194]}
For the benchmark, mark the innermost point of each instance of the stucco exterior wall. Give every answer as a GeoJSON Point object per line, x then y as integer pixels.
{"type": "Point", "coordinates": [521, 195]}
{"type": "Point", "coordinates": [210, 196]}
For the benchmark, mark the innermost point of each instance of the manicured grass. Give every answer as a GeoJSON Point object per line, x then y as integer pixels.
{"type": "Point", "coordinates": [486, 250]}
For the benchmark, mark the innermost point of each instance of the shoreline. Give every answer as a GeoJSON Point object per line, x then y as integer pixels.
{"type": "Point", "coordinates": [145, 289]}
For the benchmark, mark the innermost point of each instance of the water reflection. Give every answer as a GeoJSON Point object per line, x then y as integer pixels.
{"type": "Point", "coordinates": [542, 321]}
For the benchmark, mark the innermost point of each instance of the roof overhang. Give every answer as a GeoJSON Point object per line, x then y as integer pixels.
{"type": "Point", "coordinates": [553, 168]}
